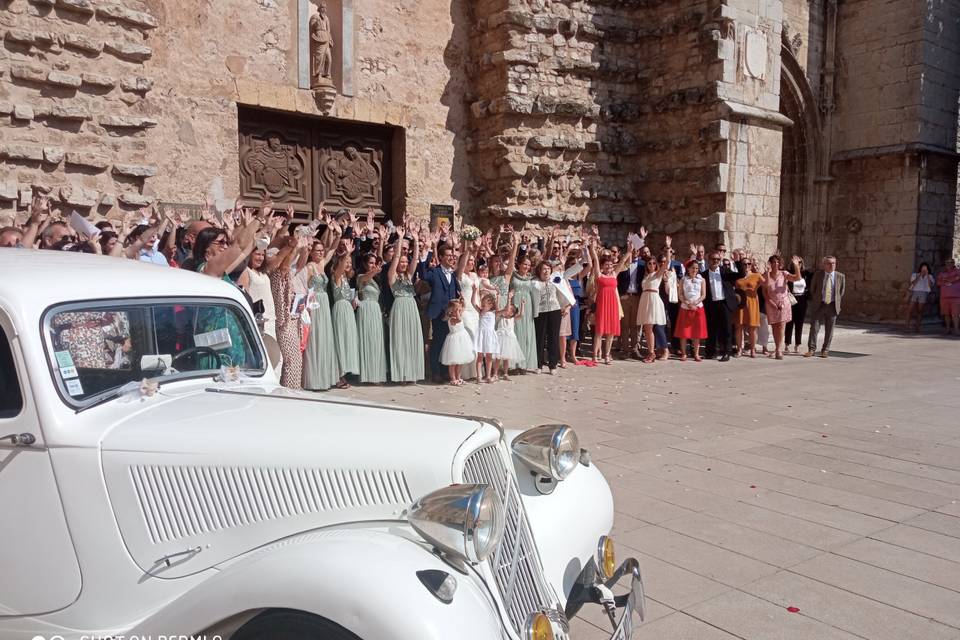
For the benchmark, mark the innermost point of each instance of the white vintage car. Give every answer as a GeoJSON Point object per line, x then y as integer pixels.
{"type": "Point", "coordinates": [210, 501]}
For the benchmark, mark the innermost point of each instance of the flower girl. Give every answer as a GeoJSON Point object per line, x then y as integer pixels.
{"type": "Point", "coordinates": [458, 347]}
{"type": "Point", "coordinates": [510, 349]}
{"type": "Point", "coordinates": [487, 344]}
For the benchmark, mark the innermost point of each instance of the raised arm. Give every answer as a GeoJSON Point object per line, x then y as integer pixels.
{"type": "Point", "coordinates": [414, 258]}
{"type": "Point", "coordinates": [397, 250]}
{"type": "Point", "coordinates": [464, 257]}
{"type": "Point", "coordinates": [511, 265]}
{"type": "Point", "coordinates": [795, 275]}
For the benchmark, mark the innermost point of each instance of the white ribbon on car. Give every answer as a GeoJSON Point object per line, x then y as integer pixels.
{"type": "Point", "coordinates": [138, 391]}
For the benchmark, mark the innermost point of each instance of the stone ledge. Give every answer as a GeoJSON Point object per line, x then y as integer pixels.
{"type": "Point", "coordinates": [89, 160]}
{"type": "Point", "coordinates": [23, 112]}
{"type": "Point", "coordinates": [53, 155]}
{"type": "Point", "coordinates": [98, 80]}
{"type": "Point", "coordinates": [83, 43]}
{"type": "Point", "coordinates": [135, 170]}
{"type": "Point", "coordinates": [62, 112]}
{"type": "Point", "coordinates": [757, 115]}
{"type": "Point", "coordinates": [79, 196]}
{"type": "Point", "coordinates": [127, 122]}
{"type": "Point", "coordinates": [136, 200]}
{"type": "Point", "coordinates": [61, 79]}
{"type": "Point", "coordinates": [28, 73]}
{"type": "Point", "coordinates": [22, 152]}
{"type": "Point", "coordinates": [136, 18]}
{"type": "Point", "coordinates": [130, 51]}
{"type": "Point", "coordinates": [136, 84]}
{"type": "Point", "coordinates": [78, 6]}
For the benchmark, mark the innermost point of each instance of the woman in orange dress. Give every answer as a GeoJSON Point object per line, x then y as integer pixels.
{"type": "Point", "coordinates": [747, 317]}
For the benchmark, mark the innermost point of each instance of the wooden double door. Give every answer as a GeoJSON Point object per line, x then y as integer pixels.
{"type": "Point", "coordinates": [312, 162]}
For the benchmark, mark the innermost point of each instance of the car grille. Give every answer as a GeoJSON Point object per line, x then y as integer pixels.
{"type": "Point", "coordinates": [514, 563]}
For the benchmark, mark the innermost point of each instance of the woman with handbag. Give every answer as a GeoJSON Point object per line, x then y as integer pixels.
{"type": "Point", "coordinates": [779, 311]}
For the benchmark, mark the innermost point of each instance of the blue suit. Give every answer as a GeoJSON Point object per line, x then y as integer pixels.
{"type": "Point", "coordinates": [441, 293]}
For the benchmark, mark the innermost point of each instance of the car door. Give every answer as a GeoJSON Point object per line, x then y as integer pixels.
{"type": "Point", "coordinates": [39, 572]}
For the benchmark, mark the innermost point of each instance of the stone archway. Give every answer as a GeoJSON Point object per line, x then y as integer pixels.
{"type": "Point", "coordinates": [798, 194]}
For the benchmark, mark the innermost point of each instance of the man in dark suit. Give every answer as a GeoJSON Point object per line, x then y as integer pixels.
{"type": "Point", "coordinates": [629, 288]}
{"type": "Point", "coordinates": [826, 295]}
{"type": "Point", "coordinates": [444, 287]}
{"type": "Point", "coordinates": [720, 303]}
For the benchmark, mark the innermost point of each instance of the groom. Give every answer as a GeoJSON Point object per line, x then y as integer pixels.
{"type": "Point", "coordinates": [443, 288]}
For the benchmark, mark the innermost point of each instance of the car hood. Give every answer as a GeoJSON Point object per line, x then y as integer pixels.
{"type": "Point", "coordinates": [199, 476]}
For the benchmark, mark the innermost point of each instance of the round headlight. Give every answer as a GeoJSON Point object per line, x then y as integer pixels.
{"type": "Point", "coordinates": [552, 450]}
{"type": "Point", "coordinates": [606, 557]}
{"type": "Point", "coordinates": [465, 520]}
{"type": "Point", "coordinates": [538, 627]}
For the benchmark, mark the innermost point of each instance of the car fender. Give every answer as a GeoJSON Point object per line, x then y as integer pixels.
{"type": "Point", "coordinates": [363, 580]}
{"type": "Point", "coordinates": [567, 523]}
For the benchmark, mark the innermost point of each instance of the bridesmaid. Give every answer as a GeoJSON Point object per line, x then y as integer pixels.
{"type": "Point", "coordinates": [346, 342]}
{"type": "Point", "coordinates": [501, 270]}
{"type": "Point", "coordinates": [321, 370]}
{"type": "Point", "coordinates": [406, 332]}
{"type": "Point", "coordinates": [373, 357]}
{"type": "Point", "coordinates": [525, 294]}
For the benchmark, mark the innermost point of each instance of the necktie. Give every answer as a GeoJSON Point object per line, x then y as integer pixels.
{"type": "Point", "coordinates": [828, 291]}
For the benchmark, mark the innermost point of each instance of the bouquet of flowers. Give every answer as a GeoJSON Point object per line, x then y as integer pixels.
{"type": "Point", "coordinates": [470, 233]}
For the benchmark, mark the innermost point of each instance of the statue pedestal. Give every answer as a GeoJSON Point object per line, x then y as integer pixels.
{"type": "Point", "coordinates": [324, 93]}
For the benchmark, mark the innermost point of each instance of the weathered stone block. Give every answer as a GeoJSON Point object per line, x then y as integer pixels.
{"type": "Point", "coordinates": [108, 200]}
{"type": "Point", "coordinates": [98, 80]}
{"type": "Point", "coordinates": [136, 200]}
{"type": "Point", "coordinates": [127, 122]}
{"type": "Point", "coordinates": [82, 43]}
{"type": "Point", "coordinates": [23, 112]}
{"type": "Point", "coordinates": [53, 155]}
{"type": "Point", "coordinates": [135, 170]}
{"type": "Point", "coordinates": [6, 108]}
{"type": "Point", "coordinates": [78, 196]}
{"type": "Point", "coordinates": [9, 191]}
{"type": "Point", "coordinates": [21, 36]}
{"type": "Point", "coordinates": [80, 6]}
{"type": "Point", "coordinates": [28, 72]}
{"type": "Point", "coordinates": [136, 84]}
{"type": "Point", "coordinates": [62, 79]}
{"type": "Point", "coordinates": [128, 50]}
{"type": "Point", "coordinates": [22, 152]}
{"type": "Point", "coordinates": [136, 18]}
{"type": "Point", "coordinates": [65, 112]}
{"type": "Point", "coordinates": [89, 160]}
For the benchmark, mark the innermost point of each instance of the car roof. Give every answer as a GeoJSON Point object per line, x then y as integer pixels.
{"type": "Point", "coordinates": [33, 280]}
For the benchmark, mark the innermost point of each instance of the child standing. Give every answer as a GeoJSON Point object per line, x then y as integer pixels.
{"type": "Point", "coordinates": [486, 343]}
{"type": "Point", "coordinates": [458, 347]}
{"type": "Point", "coordinates": [510, 350]}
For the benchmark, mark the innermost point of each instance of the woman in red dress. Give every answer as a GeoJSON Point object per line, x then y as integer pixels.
{"type": "Point", "coordinates": [607, 316]}
{"type": "Point", "coordinates": [692, 321]}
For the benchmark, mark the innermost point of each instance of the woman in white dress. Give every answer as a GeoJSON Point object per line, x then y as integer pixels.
{"type": "Point", "coordinates": [651, 311]}
{"type": "Point", "coordinates": [469, 282]}
{"type": "Point", "coordinates": [256, 282]}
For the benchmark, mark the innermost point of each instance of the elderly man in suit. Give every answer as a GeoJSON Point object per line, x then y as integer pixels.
{"type": "Point", "coordinates": [826, 296]}
{"type": "Point", "coordinates": [444, 287]}
{"type": "Point", "coordinates": [720, 303]}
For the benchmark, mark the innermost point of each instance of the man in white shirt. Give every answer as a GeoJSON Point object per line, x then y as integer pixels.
{"type": "Point", "coordinates": [826, 296]}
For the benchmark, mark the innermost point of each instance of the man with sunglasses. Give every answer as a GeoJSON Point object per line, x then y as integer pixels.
{"type": "Point", "coordinates": [720, 303]}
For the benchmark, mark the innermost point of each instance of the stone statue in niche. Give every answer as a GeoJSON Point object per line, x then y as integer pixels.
{"type": "Point", "coordinates": [272, 166]}
{"type": "Point", "coordinates": [321, 47]}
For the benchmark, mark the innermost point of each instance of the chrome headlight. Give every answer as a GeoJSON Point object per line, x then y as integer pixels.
{"type": "Point", "coordinates": [465, 520]}
{"type": "Point", "coordinates": [552, 450]}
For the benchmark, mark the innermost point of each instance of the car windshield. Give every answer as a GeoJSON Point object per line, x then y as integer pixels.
{"type": "Point", "coordinates": [98, 348]}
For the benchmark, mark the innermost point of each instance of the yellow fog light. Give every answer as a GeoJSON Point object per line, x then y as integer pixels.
{"type": "Point", "coordinates": [606, 557]}
{"type": "Point", "coordinates": [538, 627]}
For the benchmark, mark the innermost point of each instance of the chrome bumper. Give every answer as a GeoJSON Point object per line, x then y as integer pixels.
{"type": "Point", "coordinates": [601, 592]}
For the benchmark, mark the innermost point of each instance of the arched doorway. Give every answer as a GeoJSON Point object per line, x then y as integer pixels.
{"type": "Point", "coordinates": [798, 195]}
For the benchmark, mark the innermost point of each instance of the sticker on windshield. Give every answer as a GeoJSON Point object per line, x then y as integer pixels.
{"type": "Point", "coordinates": [216, 339]}
{"type": "Point", "coordinates": [74, 388]}
{"type": "Point", "coordinates": [69, 372]}
{"type": "Point", "coordinates": [64, 359]}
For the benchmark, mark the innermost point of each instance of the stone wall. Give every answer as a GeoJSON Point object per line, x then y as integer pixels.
{"type": "Point", "coordinates": [107, 105]}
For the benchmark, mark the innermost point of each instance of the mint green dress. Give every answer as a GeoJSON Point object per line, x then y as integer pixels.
{"type": "Point", "coordinates": [503, 288]}
{"type": "Point", "coordinates": [321, 369]}
{"type": "Point", "coordinates": [406, 333]}
{"type": "Point", "coordinates": [345, 336]}
{"type": "Point", "coordinates": [373, 355]}
{"type": "Point", "coordinates": [525, 294]}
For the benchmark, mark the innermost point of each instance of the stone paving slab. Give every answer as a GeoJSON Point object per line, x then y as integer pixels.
{"type": "Point", "coordinates": [751, 486]}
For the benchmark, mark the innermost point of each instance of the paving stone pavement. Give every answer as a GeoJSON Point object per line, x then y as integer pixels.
{"type": "Point", "coordinates": [749, 487]}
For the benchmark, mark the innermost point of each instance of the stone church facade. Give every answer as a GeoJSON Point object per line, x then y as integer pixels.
{"type": "Point", "coordinates": [816, 126]}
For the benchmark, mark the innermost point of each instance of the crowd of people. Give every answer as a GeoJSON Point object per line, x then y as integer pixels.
{"type": "Point", "coordinates": [346, 299]}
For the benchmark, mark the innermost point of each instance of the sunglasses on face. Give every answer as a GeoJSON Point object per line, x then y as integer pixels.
{"type": "Point", "coordinates": [220, 242]}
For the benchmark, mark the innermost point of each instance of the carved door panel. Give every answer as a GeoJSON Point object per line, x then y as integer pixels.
{"type": "Point", "coordinates": [311, 163]}
{"type": "Point", "coordinates": [353, 171]}
{"type": "Point", "coordinates": [276, 162]}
